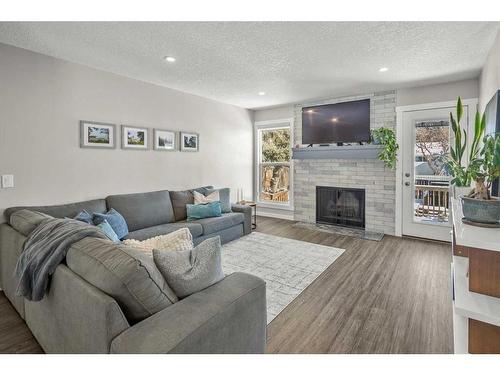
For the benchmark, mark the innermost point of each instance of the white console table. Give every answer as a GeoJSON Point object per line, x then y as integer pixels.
{"type": "Point", "coordinates": [475, 271]}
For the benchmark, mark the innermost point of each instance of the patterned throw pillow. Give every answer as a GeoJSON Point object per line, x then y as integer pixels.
{"type": "Point", "coordinates": [209, 198]}
{"type": "Point", "coordinates": [181, 239]}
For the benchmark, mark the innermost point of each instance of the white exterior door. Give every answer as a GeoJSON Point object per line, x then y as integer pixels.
{"type": "Point", "coordinates": [426, 140]}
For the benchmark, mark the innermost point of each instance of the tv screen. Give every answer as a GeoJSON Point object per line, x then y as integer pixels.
{"type": "Point", "coordinates": [492, 115]}
{"type": "Point", "coordinates": [333, 123]}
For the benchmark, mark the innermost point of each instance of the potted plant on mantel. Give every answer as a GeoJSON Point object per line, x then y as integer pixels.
{"type": "Point", "coordinates": [483, 167]}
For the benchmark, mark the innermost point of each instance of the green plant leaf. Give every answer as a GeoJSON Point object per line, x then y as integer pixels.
{"type": "Point", "coordinates": [460, 109]}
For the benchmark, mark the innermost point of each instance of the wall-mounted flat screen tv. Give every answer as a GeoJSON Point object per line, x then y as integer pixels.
{"type": "Point", "coordinates": [334, 123]}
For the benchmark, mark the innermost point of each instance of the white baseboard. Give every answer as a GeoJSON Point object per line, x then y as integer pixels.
{"type": "Point", "coordinates": [276, 216]}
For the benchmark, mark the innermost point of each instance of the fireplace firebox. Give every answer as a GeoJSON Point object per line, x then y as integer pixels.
{"type": "Point", "coordinates": [340, 206]}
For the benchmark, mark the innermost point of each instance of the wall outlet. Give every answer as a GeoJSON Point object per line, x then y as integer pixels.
{"type": "Point", "coordinates": [7, 181]}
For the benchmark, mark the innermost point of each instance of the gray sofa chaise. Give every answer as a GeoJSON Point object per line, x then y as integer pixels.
{"type": "Point", "coordinates": [76, 316]}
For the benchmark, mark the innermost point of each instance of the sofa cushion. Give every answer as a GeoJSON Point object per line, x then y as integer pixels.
{"type": "Point", "coordinates": [25, 221]}
{"type": "Point", "coordinates": [63, 210]}
{"type": "Point", "coordinates": [181, 198]}
{"type": "Point", "coordinates": [143, 210]}
{"type": "Point", "coordinates": [216, 224]}
{"type": "Point", "coordinates": [126, 274]}
{"type": "Point", "coordinates": [157, 230]}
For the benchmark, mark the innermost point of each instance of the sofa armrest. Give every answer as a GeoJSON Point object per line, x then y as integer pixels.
{"type": "Point", "coordinates": [247, 211]}
{"type": "Point", "coordinates": [228, 317]}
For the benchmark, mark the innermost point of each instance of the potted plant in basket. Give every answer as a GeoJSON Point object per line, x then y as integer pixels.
{"type": "Point", "coordinates": [483, 167]}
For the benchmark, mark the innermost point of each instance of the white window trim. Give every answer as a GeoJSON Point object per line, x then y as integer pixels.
{"type": "Point", "coordinates": [259, 125]}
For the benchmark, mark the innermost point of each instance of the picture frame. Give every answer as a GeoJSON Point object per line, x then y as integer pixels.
{"type": "Point", "coordinates": [97, 135]}
{"type": "Point", "coordinates": [164, 140]}
{"type": "Point", "coordinates": [190, 141]}
{"type": "Point", "coordinates": [135, 138]}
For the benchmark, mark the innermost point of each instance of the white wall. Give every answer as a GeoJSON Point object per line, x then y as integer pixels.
{"type": "Point", "coordinates": [489, 81]}
{"type": "Point", "coordinates": [42, 100]}
{"type": "Point", "coordinates": [277, 113]}
{"type": "Point", "coordinates": [443, 92]}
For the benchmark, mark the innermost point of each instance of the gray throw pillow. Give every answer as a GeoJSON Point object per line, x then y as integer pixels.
{"type": "Point", "coordinates": [189, 271]}
{"type": "Point", "coordinates": [225, 198]}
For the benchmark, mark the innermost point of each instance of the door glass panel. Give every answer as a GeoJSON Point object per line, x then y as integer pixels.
{"type": "Point", "coordinates": [431, 178]}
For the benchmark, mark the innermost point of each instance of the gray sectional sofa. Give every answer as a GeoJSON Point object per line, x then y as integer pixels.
{"type": "Point", "coordinates": [78, 316]}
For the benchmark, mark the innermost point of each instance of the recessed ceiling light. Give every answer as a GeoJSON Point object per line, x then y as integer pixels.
{"type": "Point", "coordinates": [383, 69]}
{"type": "Point", "coordinates": [335, 119]}
{"type": "Point", "coordinates": [170, 59]}
{"type": "Point", "coordinates": [262, 93]}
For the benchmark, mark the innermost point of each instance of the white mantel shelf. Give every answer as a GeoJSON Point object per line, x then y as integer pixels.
{"type": "Point", "coordinates": [337, 152]}
{"type": "Point", "coordinates": [472, 236]}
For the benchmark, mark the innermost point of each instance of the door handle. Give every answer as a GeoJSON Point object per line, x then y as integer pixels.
{"type": "Point", "coordinates": [407, 183]}
{"type": "Point", "coordinates": [407, 174]}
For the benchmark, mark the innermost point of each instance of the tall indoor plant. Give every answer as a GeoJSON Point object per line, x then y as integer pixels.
{"type": "Point", "coordinates": [481, 165]}
{"type": "Point", "coordinates": [457, 160]}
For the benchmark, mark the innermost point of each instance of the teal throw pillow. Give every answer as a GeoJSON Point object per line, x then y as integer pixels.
{"type": "Point", "coordinates": [201, 211]}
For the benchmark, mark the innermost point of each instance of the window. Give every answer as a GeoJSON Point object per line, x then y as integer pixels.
{"type": "Point", "coordinates": [274, 164]}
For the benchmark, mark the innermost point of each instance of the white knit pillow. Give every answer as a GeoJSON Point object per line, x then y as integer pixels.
{"type": "Point", "coordinates": [181, 239]}
{"type": "Point", "coordinates": [203, 199]}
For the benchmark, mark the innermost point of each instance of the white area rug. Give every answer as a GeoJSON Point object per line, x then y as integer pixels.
{"type": "Point", "coordinates": [288, 266]}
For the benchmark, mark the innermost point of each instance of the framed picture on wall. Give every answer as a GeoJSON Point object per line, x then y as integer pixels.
{"type": "Point", "coordinates": [189, 141]}
{"type": "Point", "coordinates": [97, 134]}
{"type": "Point", "coordinates": [164, 140]}
{"type": "Point", "coordinates": [135, 138]}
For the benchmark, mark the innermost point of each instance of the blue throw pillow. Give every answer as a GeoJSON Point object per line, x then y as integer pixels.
{"type": "Point", "coordinates": [225, 198]}
{"type": "Point", "coordinates": [85, 217]}
{"type": "Point", "coordinates": [201, 211]}
{"type": "Point", "coordinates": [115, 219]}
{"type": "Point", "coordinates": [108, 231]}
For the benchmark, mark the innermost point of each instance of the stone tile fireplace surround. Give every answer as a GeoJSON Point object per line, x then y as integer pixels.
{"type": "Point", "coordinates": [378, 181]}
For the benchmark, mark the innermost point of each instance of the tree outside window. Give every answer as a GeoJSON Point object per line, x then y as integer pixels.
{"type": "Point", "coordinates": [274, 165]}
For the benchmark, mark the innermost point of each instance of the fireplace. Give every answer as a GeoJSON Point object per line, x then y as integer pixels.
{"type": "Point", "coordinates": [340, 206]}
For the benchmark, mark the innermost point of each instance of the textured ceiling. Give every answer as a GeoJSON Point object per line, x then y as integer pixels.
{"type": "Point", "coordinates": [290, 61]}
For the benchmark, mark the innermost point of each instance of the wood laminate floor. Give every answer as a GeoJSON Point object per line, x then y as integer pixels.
{"type": "Point", "coordinates": [391, 296]}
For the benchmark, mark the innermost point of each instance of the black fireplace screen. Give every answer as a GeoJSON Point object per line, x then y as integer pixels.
{"type": "Point", "coordinates": [340, 206]}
